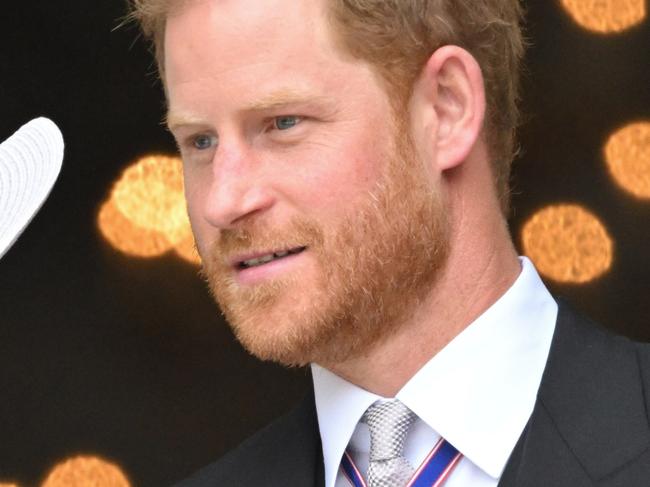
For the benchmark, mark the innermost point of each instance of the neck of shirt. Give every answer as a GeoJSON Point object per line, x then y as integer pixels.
{"type": "Point", "coordinates": [478, 392]}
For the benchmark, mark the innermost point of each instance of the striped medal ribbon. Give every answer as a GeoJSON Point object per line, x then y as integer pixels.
{"type": "Point", "coordinates": [433, 471]}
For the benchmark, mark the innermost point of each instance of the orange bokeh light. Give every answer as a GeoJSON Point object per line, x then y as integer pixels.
{"type": "Point", "coordinates": [145, 215]}
{"type": "Point", "coordinates": [125, 236]}
{"type": "Point", "coordinates": [86, 472]}
{"type": "Point", "coordinates": [568, 244]}
{"type": "Point", "coordinates": [8, 485]}
{"type": "Point", "coordinates": [606, 16]}
{"type": "Point", "coordinates": [627, 153]}
{"type": "Point", "coordinates": [150, 195]}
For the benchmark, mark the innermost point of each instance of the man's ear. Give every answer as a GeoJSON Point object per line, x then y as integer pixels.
{"type": "Point", "coordinates": [450, 95]}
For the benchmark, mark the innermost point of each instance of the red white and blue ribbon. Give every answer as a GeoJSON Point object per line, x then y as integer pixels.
{"type": "Point", "coordinates": [433, 471]}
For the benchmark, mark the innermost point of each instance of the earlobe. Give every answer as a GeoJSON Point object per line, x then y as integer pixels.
{"type": "Point", "coordinates": [456, 93]}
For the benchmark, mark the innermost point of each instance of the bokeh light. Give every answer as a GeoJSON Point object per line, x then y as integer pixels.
{"type": "Point", "coordinates": [568, 244]}
{"type": "Point", "coordinates": [8, 485]}
{"type": "Point", "coordinates": [150, 195]}
{"type": "Point", "coordinates": [606, 16]}
{"type": "Point", "coordinates": [627, 153]}
{"type": "Point", "coordinates": [122, 234]}
{"type": "Point", "coordinates": [145, 214]}
{"type": "Point", "coordinates": [86, 472]}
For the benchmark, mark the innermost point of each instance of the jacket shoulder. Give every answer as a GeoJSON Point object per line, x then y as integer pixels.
{"type": "Point", "coordinates": [643, 354]}
{"type": "Point", "coordinates": [590, 423]}
{"type": "Point", "coordinates": [593, 393]}
{"type": "Point", "coordinates": [286, 452]}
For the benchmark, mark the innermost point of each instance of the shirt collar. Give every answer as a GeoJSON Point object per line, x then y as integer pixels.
{"type": "Point", "coordinates": [478, 392]}
{"type": "Point", "coordinates": [339, 406]}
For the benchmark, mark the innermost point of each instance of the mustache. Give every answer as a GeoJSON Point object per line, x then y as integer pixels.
{"type": "Point", "coordinates": [262, 237]}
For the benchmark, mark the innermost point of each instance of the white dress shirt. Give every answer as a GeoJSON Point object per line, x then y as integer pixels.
{"type": "Point", "coordinates": [478, 392]}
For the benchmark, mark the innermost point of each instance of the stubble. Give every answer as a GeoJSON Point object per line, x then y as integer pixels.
{"type": "Point", "coordinates": [373, 268]}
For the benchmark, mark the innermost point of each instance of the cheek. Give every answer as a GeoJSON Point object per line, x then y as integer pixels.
{"type": "Point", "coordinates": [337, 179]}
{"type": "Point", "coordinates": [195, 198]}
{"type": "Point", "coordinates": [192, 192]}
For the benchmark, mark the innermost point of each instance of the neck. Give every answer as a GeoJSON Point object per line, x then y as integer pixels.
{"type": "Point", "coordinates": [489, 266]}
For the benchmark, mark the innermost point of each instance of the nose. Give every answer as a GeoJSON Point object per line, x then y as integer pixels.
{"type": "Point", "coordinates": [238, 189]}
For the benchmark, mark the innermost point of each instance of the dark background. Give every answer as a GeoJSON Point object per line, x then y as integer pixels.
{"type": "Point", "coordinates": [128, 359]}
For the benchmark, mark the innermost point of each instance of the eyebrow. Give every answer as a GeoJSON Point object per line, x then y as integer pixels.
{"type": "Point", "coordinates": [283, 97]}
{"type": "Point", "coordinates": [274, 100]}
{"type": "Point", "coordinates": [177, 119]}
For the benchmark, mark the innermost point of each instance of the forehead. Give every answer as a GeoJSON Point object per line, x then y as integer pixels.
{"type": "Point", "coordinates": [214, 37]}
{"type": "Point", "coordinates": [224, 56]}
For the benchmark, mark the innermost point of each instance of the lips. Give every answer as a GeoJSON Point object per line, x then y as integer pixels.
{"type": "Point", "coordinates": [262, 258]}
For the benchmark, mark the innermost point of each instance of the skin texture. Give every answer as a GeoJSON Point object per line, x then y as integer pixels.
{"type": "Point", "coordinates": [289, 144]}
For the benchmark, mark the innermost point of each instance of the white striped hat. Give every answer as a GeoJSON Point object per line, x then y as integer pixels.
{"type": "Point", "coordinates": [30, 162]}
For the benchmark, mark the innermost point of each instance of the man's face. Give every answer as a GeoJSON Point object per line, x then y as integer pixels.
{"type": "Point", "coordinates": [318, 225]}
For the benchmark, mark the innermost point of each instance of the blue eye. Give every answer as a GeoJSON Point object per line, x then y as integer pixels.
{"type": "Point", "coordinates": [202, 142]}
{"type": "Point", "coordinates": [286, 122]}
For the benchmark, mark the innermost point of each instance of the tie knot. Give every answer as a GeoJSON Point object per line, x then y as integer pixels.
{"type": "Point", "coordinates": [388, 422]}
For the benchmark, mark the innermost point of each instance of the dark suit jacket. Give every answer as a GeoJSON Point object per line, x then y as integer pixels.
{"type": "Point", "coordinates": [589, 426]}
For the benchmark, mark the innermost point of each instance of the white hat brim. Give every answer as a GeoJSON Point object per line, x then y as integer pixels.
{"type": "Point", "coordinates": [30, 162]}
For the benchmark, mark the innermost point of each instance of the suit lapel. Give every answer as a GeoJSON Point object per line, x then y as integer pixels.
{"type": "Point", "coordinates": [301, 448]}
{"type": "Point", "coordinates": [288, 452]}
{"type": "Point", "coordinates": [590, 416]}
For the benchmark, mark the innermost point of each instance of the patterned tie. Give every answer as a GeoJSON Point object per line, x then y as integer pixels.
{"type": "Point", "coordinates": [388, 421]}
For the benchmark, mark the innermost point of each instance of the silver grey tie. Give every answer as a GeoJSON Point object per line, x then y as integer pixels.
{"type": "Point", "coordinates": [388, 421]}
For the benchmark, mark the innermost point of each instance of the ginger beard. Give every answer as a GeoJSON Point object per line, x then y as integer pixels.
{"type": "Point", "coordinates": [374, 267]}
